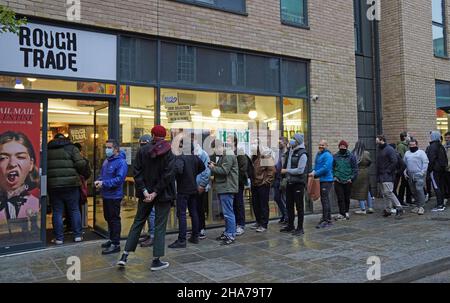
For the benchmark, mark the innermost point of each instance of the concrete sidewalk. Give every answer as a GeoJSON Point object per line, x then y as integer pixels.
{"type": "Point", "coordinates": [337, 254]}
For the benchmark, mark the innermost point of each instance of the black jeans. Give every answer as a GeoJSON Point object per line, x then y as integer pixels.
{"type": "Point", "coordinates": [325, 188]}
{"type": "Point", "coordinates": [162, 210]}
{"type": "Point", "coordinates": [260, 199]}
{"type": "Point", "coordinates": [187, 202]}
{"type": "Point", "coordinates": [202, 209]}
{"type": "Point", "coordinates": [294, 196]}
{"type": "Point", "coordinates": [343, 192]}
{"type": "Point", "coordinates": [111, 212]}
{"type": "Point", "coordinates": [446, 185]}
{"type": "Point", "coordinates": [239, 208]}
{"type": "Point", "coordinates": [404, 187]}
{"type": "Point", "coordinates": [437, 179]}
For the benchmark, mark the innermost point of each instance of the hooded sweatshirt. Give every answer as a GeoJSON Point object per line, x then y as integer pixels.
{"type": "Point", "coordinates": [294, 174]}
{"type": "Point", "coordinates": [416, 163]}
{"type": "Point", "coordinates": [113, 174]}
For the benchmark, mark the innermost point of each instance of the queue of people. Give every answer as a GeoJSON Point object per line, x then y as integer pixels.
{"type": "Point", "coordinates": [182, 174]}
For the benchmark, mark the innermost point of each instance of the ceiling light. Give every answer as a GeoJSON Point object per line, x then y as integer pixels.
{"type": "Point", "coordinates": [31, 79]}
{"type": "Point", "coordinates": [19, 85]}
{"type": "Point", "coordinates": [216, 113]}
{"type": "Point", "coordinates": [253, 114]}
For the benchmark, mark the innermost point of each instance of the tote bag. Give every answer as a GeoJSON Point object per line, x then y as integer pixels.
{"type": "Point", "coordinates": [313, 188]}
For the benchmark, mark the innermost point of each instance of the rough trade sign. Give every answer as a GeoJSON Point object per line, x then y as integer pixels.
{"type": "Point", "coordinates": [57, 51]}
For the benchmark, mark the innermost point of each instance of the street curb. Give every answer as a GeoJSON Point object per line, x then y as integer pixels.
{"type": "Point", "coordinates": [417, 272]}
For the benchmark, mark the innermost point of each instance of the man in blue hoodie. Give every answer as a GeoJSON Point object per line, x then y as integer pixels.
{"type": "Point", "coordinates": [110, 182]}
{"type": "Point", "coordinates": [323, 169]}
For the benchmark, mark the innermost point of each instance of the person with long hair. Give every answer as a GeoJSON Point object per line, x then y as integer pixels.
{"type": "Point", "coordinates": [360, 190]}
{"type": "Point", "coordinates": [19, 176]}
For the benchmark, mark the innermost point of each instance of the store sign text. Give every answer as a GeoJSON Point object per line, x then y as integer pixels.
{"type": "Point", "coordinates": [48, 49]}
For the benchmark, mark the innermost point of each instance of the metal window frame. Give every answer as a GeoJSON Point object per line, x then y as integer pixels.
{"type": "Point", "coordinates": [442, 25]}
{"type": "Point", "coordinates": [215, 7]}
{"type": "Point", "coordinates": [304, 25]}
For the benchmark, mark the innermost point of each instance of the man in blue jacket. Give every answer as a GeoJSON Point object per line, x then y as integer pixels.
{"type": "Point", "coordinates": [110, 182]}
{"type": "Point", "coordinates": [323, 169]}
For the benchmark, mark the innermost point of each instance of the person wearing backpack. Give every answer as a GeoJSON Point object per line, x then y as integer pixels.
{"type": "Point", "coordinates": [64, 167]}
{"type": "Point", "coordinates": [437, 168]}
{"type": "Point", "coordinates": [387, 165]}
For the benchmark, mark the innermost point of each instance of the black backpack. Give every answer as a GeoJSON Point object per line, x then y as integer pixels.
{"type": "Point", "coordinates": [401, 165]}
{"type": "Point", "coordinates": [442, 159]}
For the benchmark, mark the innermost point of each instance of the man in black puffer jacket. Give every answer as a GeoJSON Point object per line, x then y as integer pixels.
{"type": "Point", "coordinates": [436, 169]}
{"type": "Point", "coordinates": [64, 167]}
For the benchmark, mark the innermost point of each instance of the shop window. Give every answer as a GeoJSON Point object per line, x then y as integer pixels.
{"type": "Point", "coordinates": [295, 118]}
{"type": "Point", "coordinates": [218, 69]}
{"type": "Point", "coordinates": [137, 61]}
{"type": "Point", "coordinates": [210, 115]}
{"type": "Point", "coordinates": [96, 88]}
{"type": "Point", "coordinates": [443, 106]}
{"type": "Point", "coordinates": [237, 6]}
{"type": "Point", "coordinates": [294, 12]}
{"type": "Point", "coordinates": [439, 28]}
{"type": "Point", "coordinates": [294, 78]}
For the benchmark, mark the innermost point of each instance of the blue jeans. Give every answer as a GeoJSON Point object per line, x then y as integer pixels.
{"type": "Point", "coordinates": [151, 223]}
{"type": "Point", "coordinates": [187, 202]}
{"type": "Point", "coordinates": [226, 200]}
{"type": "Point", "coordinates": [362, 203]}
{"type": "Point", "coordinates": [70, 198]}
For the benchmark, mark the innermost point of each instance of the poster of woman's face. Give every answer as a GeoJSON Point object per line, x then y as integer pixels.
{"type": "Point", "coordinates": [19, 164]}
{"type": "Point", "coordinates": [16, 163]}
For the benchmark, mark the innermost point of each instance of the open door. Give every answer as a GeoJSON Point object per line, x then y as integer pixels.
{"type": "Point", "coordinates": [100, 137]}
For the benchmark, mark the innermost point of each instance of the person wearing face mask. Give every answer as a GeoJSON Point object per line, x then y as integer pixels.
{"type": "Point", "coordinates": [416, 170]}
{"type": "Point", "coordinates": [112, 177]}
{"type": "Point", "coordinates": [345, 171]}
{"type": "Point", "coordinates": [387, 162]}
{"type": "Point", "coordinates": [437, 168]}
{"type": "Point", "coordinates": [294, 168]}
{"type": "Point", "coordinates": [323, 169]}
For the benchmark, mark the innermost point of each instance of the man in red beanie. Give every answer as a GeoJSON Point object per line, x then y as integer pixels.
{"type": "Point", "coordinates": [345, 171]}
{"type": "Point", "coordinates": [154, 176]}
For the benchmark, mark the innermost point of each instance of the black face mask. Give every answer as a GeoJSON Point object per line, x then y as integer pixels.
{"type": "Point", "coordinates": [413, 149]}
{"type": "Point", "coordinates": [343, 151]}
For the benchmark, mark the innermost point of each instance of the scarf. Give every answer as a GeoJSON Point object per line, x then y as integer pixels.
{"type": "Point", "coordinates": [160, 147]}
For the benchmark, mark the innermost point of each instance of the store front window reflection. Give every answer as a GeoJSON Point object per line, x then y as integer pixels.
{"type": "Point", "coordinates": [216, 115]}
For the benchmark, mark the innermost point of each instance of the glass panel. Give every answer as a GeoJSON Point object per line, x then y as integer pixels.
{"type": "Point", "coordinates": [20, 166]}
{"type": "Point", "coordinates": [294, 79]}
{"type": "Point", "coordinates": [137, 117]}
{"type": "Point", "coordinates": [216, 115]}
{"type": "Point", "coordinates": [438, 41]}
{"type": "Point", "coordinates": [218, 69]}
{"type": "Point", "coordinates": [137, 60]}
{"type": "Point", "coordinates": [293, 11]}
{"type": "Point", "coordinates": [234, 5]}
{"type": "Point", "coordinates": [57, 85]}
{"type": "Point", "coordinates": [437, 11]}
{"type": "Point", "coordinates": [100, 138]}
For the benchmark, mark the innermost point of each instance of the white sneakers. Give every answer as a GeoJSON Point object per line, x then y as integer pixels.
{"type": "Point", "coordinates": [239, 231]}
{"type": "Point", "coordinates": [261, 229]}
{"type": "Point", "coordinates": [360, 212]}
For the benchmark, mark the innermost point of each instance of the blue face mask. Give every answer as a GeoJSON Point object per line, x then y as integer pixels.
{"type": "Point", "coordinates": [109, 152]}
{"type": "Point", "coordinates": [292, 142]}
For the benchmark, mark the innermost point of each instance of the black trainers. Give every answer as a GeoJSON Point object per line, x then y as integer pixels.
{"type": "Point", "coordinates": [107, 244]}
{"type": "Point", "coordinates": [123, 260]}
{"type": "Point", "coordinates": [287, 229]}
{"type": "Point", "coordinates": [387, 213]}
{"type": "Point", "coordinates": [298, 232]}
{"type": "Point", "coordinates": [399, 213]}
{"type": "Point", "coordinates": [221, 237]}
{"type": "Point", "coordinates": [227, 241]}
{"type": "Point", "coordinates": [158, 265]}
{"type": "Point", "coordinates": [193, 240]}
{"type": "Point", "coordinates": [178, 244]}
{"type": "Point", "coordinates": [113, 249]}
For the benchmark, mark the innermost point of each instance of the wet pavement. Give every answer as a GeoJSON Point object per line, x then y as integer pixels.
{"type": "Point", "coordinates": [337, 254]}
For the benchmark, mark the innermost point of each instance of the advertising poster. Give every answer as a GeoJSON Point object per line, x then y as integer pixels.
{"type": "Point", "coordinates": [19, 168]}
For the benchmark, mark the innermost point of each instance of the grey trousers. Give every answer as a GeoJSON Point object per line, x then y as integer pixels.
{"type": "Point", "coordinates": [387, 190]}
{"type": "Point", "coordinates": [416, 184]}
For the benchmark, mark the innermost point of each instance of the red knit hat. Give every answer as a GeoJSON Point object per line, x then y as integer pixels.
{"type": "Point", "coordinates": [343, 142]}
{"type": "Point", "coordinates": [159, 131]}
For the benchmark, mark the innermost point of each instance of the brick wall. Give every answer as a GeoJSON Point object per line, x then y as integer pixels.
{"type": "Point", "coordinates": [329, 43]}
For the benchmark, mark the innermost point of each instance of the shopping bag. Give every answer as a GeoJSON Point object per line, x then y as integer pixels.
{"type": "Point", "coordinates": [313, 188]}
